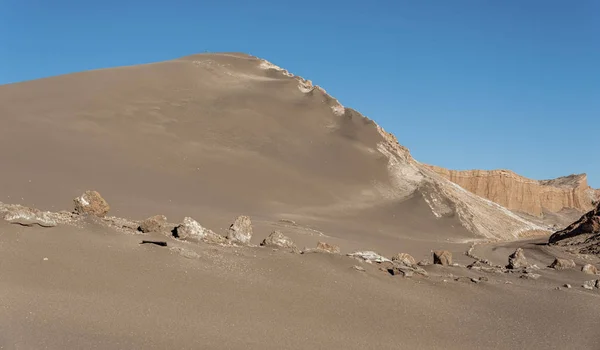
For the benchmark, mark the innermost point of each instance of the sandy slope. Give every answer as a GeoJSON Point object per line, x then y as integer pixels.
{"type": "Point", "coordinates": [102, 289]}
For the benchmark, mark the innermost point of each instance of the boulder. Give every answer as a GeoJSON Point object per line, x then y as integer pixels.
{"type": "Point", "coordinates": [517, 260]}
{"type": "Point", "coordinates": [329, 248]}
{"type": "Point", "coordinates": [589, 269]}
{"type": "Point", "coordinates": [191, 230]}
{"type": "Point", "coordinates": [92, 203]}
{"type": "Point", "coordinates": [562, 264]}
{"type": "Point", "coordinates": [241, 230]}
{"type": "Point", "coordinates": [154, 223]}
{"type": "Point", "coordinates": [405, 259]}
{"type": "Point", "coordinates": [278, 239]}
{"type": "Point", "coordinates": [369, 256]}
{"type": "Point", "coordinates": [18, 214]}
{"type": "Point", "coordinates": [442, 257]}
{"type": "Point", "coordinates": [591, 284]}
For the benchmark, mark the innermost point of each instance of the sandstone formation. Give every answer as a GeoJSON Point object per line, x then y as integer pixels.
{"type": "Point", "coordinates": [442, 257]}
{"type": "Point", "coordinates": [521, 194]}
{"type": "Point", "coordinates": [241, 230]}
{"type": "Point", "coordinates": [278, 239]}
{"type": "Point", "coordinates": [92, 203]}
{"type": "Point", "coordinates": [153, 224]}
{"type": "Point", "coordinates": [583, 234]}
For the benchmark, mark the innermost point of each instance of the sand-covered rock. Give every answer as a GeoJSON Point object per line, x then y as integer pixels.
{"type": "Point", "coordinates": [589, 269]}
{"type": "Point", "coordinates": [18, 214]}
{"type": "Point", "coordinates": [591, 284]}
{"type": "Point", "coordinates": [278, 239]}
{"type": "Point", "coordinates": [405, 259]}
{"type": "Point", "coordinates": [328, 248]}
{"type": "Point", "coordinates": [241, 230]}
{"type": "Point", "coordinates": [92, 203]}
{"type": "Point", "coordinates": [517, 259]}
{"type": "Point", "coordinates": [442, 257]}
{"type": "Point", "coordinates": [562, 264]}
{"type": "Point", "coordinates": [154, 223]}
{"type": "Point", "coordinates": [191, 230]}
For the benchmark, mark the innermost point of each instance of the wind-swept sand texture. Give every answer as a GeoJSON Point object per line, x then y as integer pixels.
{"type": "Point", "coordinates": [213, 137]}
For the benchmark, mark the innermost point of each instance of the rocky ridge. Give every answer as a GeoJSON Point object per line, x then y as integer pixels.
{"type": "Point", "coordinates": [582, 235]}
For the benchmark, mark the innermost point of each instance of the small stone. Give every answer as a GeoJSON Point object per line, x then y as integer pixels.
{"type": "Point", "coordinates": [329, 248]}
{"type": "Point", "coordinates": [358, 268]}
{"type": "Point", "coordinates": [405, 259]}
{"type": "Point", "coordinates": [568, 286]}
{"type": "Point", "coordinates": [590, 269]}
{"type": "Point", "coordinates": [18, 214]}
{"type": "Point", "coordinates": [597, 283]}
{"type": "Point", "coordinates": [241, 230]}
{"type": "Point", "coordinates": [442, 257]}
{"type": "Point", "coordinates": [153, 224]}
{"type": "Point", "coordinates": [517, 259]}
{"type": "Point", "coordinates": [91, 202]}
{"type": "Point", "coordinates": [45, 259]}
{"type": "Point", "coordinates": [530, 276]}
{"type": "Point", "coordinates": [278, 239]}
{"type": "Point", "coordinates": [483, 279]}
{"type": "Point", "coordinates": [562, 264]}
{"type": "Point", "coordinates": [465, 279]}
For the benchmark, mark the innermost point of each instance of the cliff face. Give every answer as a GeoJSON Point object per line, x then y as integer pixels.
{"type": "Point", "coordinates": [524, 195]}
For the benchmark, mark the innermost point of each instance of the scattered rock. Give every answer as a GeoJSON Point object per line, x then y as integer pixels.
{"type": "Point", "coordinates": [562, 264]}
{"type": "Point", "coordinates": [405, 259]}
{"type": "Point", "coordinates": [91, 202]}
{"type": "Point", "coordinates": [404, 270]}
{"type": "Point", "coordinates": [530, 276]}
{"type": "Point", "coordinates": [589, 269]}
{"type": "Point", "coordinates": [154, 223]}
{"type": "Point", "coordinates": [424, 262]}
{"type": "Point", "coordinates": [442, 257]}
{"type": "Point", "coordinates": [329, 248]}
{"type": "Point", "coordinates": [369, 256]}
{"type": "Point", "coordinates": [517, 260]}
{"type": "Point", "coordinates": [278, 239]}
{"type": "Point", "coordinates": [591, 284]}
{"type": "Point", "coordinates": [241, 230]}
{"type": "Point", "coordinates": [568, 286]}
{"type": "Point", "coordinates": [358, 268]}
{"type": "Point", "coordinates": [466, 279]}
{"type": "Point", "coordinates": [18, 214]}
{"type": "Point", "coordinates": [191, 230]}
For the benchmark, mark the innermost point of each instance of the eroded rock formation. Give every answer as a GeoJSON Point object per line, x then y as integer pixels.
{"type": "Point", "coordinates": [525, 195]}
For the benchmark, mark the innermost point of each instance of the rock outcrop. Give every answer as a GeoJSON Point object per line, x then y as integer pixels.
{"type": "Point", "coordinates": [562, 264]}
{"type": "Point", "coordinates": [154, 223]}
{"type": "Point", "coordinates": [278, 239]}
{"type": "Point", "coordinates": [92, 203]}
{"type": "Point", "coordinates": [583, 234]}
{"type": "Point", "coordinates": [191, 230]}
{"type": "Point", "coordinates": [524, 195]}
{"type": "Point", "coordinates": [517, 259]}
{"type": "Point", "coordinates": [405, 259]}
{"type": "Point", "coordinates": [241, 230]}
{"type": "Point", "coordinates": [328, 248]}
{"type": "Point", "coordinates": [18, 214]}
{"type": "Point", "coordinates": [589, 269]}
{"type": "Point", "coordinates": [442, 257]}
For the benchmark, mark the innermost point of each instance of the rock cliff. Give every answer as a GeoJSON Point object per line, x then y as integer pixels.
{"type": "Point", "coordinates": [523, 195]}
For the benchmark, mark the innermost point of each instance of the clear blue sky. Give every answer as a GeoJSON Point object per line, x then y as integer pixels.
{"type": "Point", "coordinates": [509, 84]}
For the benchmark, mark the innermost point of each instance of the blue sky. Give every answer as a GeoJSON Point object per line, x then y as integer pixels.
{"type": "Point", "coordinates": [464, 84]}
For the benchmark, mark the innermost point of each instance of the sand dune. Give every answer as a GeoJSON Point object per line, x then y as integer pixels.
{"type": "Point", "coordinates": [215, 136]}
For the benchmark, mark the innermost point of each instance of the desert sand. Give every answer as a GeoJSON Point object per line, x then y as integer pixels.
{"type": "Point", "coordinates": [216, 136]}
